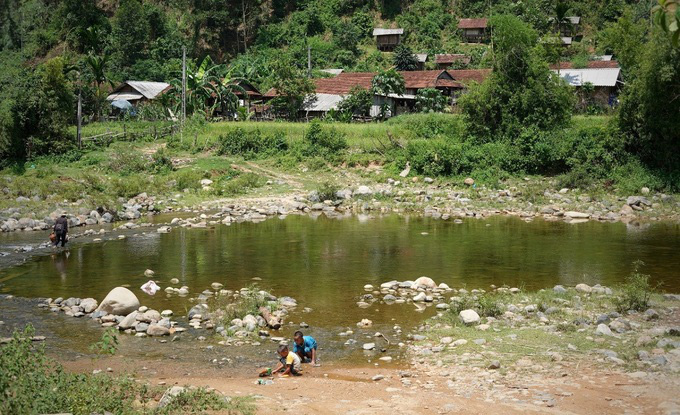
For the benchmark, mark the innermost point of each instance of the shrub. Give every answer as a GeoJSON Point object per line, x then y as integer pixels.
{"type": "Point", "coordinates": [126, 160]}
{"type": "Point", "coordinates": [327, 191]}
{"type": "Point", "coordinates": [129, 186]}
{"type": "Point", "coordinates": [635, 292]}
{"type": "Point", "coordinates": [188, 179]}
{"type": "Point", "coordinates": [251, 144]}
{"type": "Point", "coordinates": [322, 141]}
{"type": "Point", "coordinates": [31, 383]}
{"type": "Point", "coordinates": [161, 161]}
{"type": "Point", "coordinates": [230, 186]}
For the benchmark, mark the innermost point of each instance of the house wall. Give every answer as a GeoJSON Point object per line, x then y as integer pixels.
{"type": "Point", "coordinates": [386, 42]}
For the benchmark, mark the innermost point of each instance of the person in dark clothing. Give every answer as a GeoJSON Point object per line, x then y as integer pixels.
{"type": "Point", "coordinates": [61, 229]}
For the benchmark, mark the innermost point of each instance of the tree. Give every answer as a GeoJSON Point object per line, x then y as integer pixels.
{"type": "Point", "coordinates": [96, 65]}
{"type": "Point", "coordinates": [131, 32]}
{"type": "Point", "coordinates": [666, 15]}
{"type": "Point", "coordinates": [624, 38]}
{"type": "Point", "coordinates": [292, 88]}
{"type": "Point", "coordinates": [388, 82]}
{"type": "Point", "coordinates": [404, 59]}
{"type": "Point", "coordinates": [650, 105]}
{"type": "Point", "coordinates": [521, 92]}
{"type": "Point", "coordinates": [358, 102]}
{"type": "Point", "coordinates": [430, 100]}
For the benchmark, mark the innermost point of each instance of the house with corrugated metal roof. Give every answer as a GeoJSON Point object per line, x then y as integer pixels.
{"type": "Point", "coordinates": [387, 39]}
{"type": "Point", "coordinates": [138, 91]}
{"type": "Point", "coordinates": [603, 76]}
{"type": "Point", "coordinates": [474, 30]}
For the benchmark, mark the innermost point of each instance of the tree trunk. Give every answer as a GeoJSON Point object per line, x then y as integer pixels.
{"type": "Point", "coordinates": [272, 321]}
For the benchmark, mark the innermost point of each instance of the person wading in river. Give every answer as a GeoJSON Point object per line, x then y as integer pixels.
{"type": "Point", "coordinates": [61, 229]}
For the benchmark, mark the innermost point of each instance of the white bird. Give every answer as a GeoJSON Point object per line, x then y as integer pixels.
{"type": "Point", "coordinates": [406, 171]}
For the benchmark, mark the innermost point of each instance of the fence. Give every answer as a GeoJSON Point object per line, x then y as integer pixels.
{"type": "Point", "coordinates": [108, 137]}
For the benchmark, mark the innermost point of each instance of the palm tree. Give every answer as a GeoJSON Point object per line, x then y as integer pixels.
{"type": "Point", "coordinates": [97, 67]}
{"type": "Point", "coordinates": [560, 18]}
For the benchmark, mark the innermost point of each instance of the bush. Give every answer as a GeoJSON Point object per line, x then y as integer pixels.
{"type": "Point", "coordinates": [486, 304]}
{"type": "Point", "coordinates": [126, 160]}
{"type": "Point", "coordinates": [231, 186]}
{"type": "Point", "coordinates": [431, 125]}
{"type": "Point", "coordinates": [188, 179]}
{"type": "Point", "coordinates": [322, 141]}
{"type": "Point", "coordinates": [327, 191]}
{"type": "Point", "coordinates": [636, 291]}
{"type": "Point", "coordinates": [161, 161]}
{"type": "Point", "coordinates": [251, 144]}
{"type": "Point", "coordinates": [31, 383]}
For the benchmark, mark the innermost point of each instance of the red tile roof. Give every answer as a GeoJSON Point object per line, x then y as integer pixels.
{"type": "Point", "coordinates": [472, 23]}
{"type": "Point", "coordinates": [446, 58]}
{"type": "Point", "coordinates": [467, 75]}
{"type": "Point", "coordinates": [591, 65]}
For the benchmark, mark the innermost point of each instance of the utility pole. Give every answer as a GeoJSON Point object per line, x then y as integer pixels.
{"type": "Point", "coordinates": [245, 28]}
{"type": "Point", "coordinates": [184, 85]}
{"type": "Point", "coordinates": [80, 114]}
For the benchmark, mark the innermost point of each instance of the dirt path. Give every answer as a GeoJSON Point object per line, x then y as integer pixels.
{"type": "Point", "coordinates": [340, 390]}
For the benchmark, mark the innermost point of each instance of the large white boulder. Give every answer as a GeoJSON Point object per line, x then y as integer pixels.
{"type": "Point", "coordinates": [469, 317]}
{"type": "Point", "coordinates": [424, 282]}
{"type": "Point", "coordinates": [120, 302]}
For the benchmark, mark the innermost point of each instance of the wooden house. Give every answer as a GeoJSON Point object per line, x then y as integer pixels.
{"type": "Point", "coordinates": [474, 30]}
{"type": "Point", "coordinates": [387, 39]}
{"type": "Point", "coordinates": [604, 77]}
{"type": "Point", "coordinates": [445, 60]}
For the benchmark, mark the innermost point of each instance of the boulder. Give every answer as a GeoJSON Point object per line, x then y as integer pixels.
{"type": "Point", "coordinates": [558, 289]}
{"type": "Point", "coordinates": [469, 181]}
{"type": "Point", "coordinates": [169, 395]}
{"type": "Point", "coordinates": [88, 305]}
{"type": "Point", "coordinates": [198, 309]}
{"type": "Point", "coordinates": [129, 321]}
{"type": "Point", "coordinates": [576, 215]}
{"type": "Point", "coordinates": [583, 288]}
{"type": "Point", "coordinates": [120, 301]}
{"type": "Point", "coordinates": [150, 316]}
{"type": "Point", "coordinates": [424, 282]}
{"type": "Point", "coordinates": [157, 330]}
{"type": "Point", "coordinates": [603, 330]}
{"type": "Point", "coordinates": [363, 191]}
{"type": "Point", "coordinates": [419, 297]}
{"type": "Point", "coordinates": [469, 317]}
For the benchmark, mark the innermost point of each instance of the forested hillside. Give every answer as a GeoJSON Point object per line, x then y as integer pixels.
{"type": "Point", "coordinates": [51, 50]}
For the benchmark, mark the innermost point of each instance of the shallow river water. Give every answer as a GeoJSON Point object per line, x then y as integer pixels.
{"type": "Point", "coordinates": [324, 263]}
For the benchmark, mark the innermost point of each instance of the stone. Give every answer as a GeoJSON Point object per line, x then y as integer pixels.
{"type": "Point", "coordinates": [558, 289]}
{"type": "Point", "coordinates": [419, 297]}
{"type": "Point", "coordinates": [157, 330]}
{"type": "Point", "coordinates": [603, 330]}
{"type": "Point", "coordinates": [129, 321]}
{"type": "Point", "coordinates": [495, 364]}
{"type": "Point", "coordinates": [650, 314]}
{"type": "Point", "coordinates": [368, 346]}
{"type": "Point", "coordinates": [389, 298]}
{"type": "Point", "coordinates": [88, 305]}
{"type": "Point", "coordinates": [198, 309]}
{"type": "Point", "coordinates": [174, 281]}
{"type": "Point", "coordinates": [120, 301]}
{"type": "Point", "coordinates": [365, 323]}
{"type": "Point", "coordinates": [459, 342]}
{"type": "Point", "coordinates": [446, 340]}
{"type": "Point", "coordinates": [469, 181]}
{"type": "Point", "coordinates": [576, 215]}
{"type": "Point", "coordinates": [424, 282]}
{"type": "Point", "coordinates": [150, 316]}
{"type": "Point", "coordinates": [637, 201]}
{"type": "Point", "coordinates": [169, 395]}
{"type": "Point", "coordinates": [644, 190]}
{"type": "Point", "coordinates": [363, 191]}
{"type": "Point", "coordinates": [469, 317]}
{"type": "Point", "coordinates": [378, 377]}
{"type": "Point", "coordinates": [583, 288]}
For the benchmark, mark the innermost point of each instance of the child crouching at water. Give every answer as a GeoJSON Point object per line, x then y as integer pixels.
{"type": "Point", "coordinates": [305, 347]}
{"type": "Point", "coordinates": [289, 363]}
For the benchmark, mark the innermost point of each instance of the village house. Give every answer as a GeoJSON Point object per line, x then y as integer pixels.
{"type": "Point", "coordinates": [387, 39]}
{"type": "Point", "coordinates": [445, 60]}
{"type": "Point", "coordinates": [474, 30]}
{"type": "Point", "coordinates": [422, 58]}
{"type": "Point", "coordinates": [568, 29]}
{"type": "Point", "coordinates": [136, 92]}
{"type": "Point", "coordinates": [603, 76]}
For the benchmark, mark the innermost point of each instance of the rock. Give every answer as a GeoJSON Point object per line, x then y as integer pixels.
{"type": "Point", "coordinates": [378, 377]}
{"type": "Point", "coordinates": [363, 191]}
{"type": "Point", "coordinates": [637, 201]}
{"type": "Point", "coordinates": [428, 180]}
{"type": "Point", "coordinates": [166, 313]}
{"type": "Point", "coordinates": [459, 342]}
{"type": "Point", "coordinates": [603, 330]}
{"type": "Point", "coordinates": [365, 323]}
{"type": "Point", "coordinates": [129, 321]}
{"type": "Point", "coordinates": [120, 301]}
{"type": "Point", "coordinates": [442, 306]}
{"type": "Point", "coordinates": [576, 215]}
{"type": "Point", "coordinates": [164, 229]}
{"type": "Point", "coordinates": [157, 330]}
{"type": "Point", "coordinates": [88, 305]}
{"type": "Point", "coordinates": [169, 395]}
{"type": "Point", "coordinates": [584, 288]}
{"type": "Point", "coordinates": [174, 281]}
{"type": "Point", "coordinates": [149, 273]}
{"type": "Point", "coordinates": [469, 317]}
{"type": "Point", "coordinates": [198, 309]}
{"type": "Point", "coordinates": [620, 325]}
{"type": "Point", "coordinates": [469, 181]}
{"type": "Point", "coordinates": [650, 314]}
{"type": "Point", "coordinates": [644, 190]}
{"type": "Point", "coordinates": [368, 346]}
{"type": "Point", "coordinates": [424, 282]}
{"type": "Point", "coordinates": [558, 289]}
{"type": "Point", "coordinates": [446, 340]}
{"type": "Point", "coordinates": [389, 298]}
{"type": "Point", "coordinates": [150, 316]}
{"type": "Point", "coordinates": [419, 297]}
{"type": "Point", "coordinates": [216, 286]}
{"type": "Point", "coordinates": [495, 364]}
